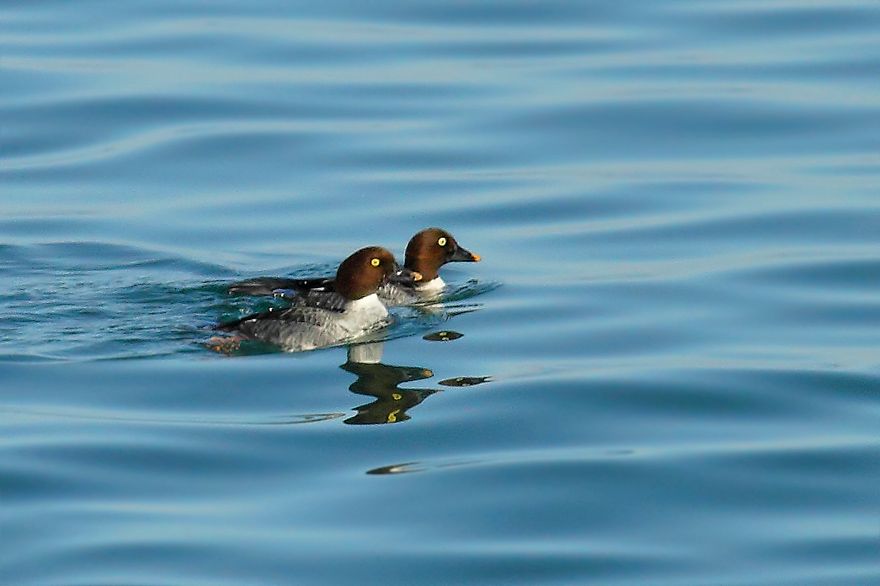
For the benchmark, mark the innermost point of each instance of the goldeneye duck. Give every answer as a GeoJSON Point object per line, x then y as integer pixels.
{"type": "Point", "coordinates": [426, 252]}
{"type": "Point", "coordinates": [319, 319]}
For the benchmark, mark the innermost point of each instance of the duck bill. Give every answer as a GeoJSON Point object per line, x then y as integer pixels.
{"type": "Point", "coordinates": [405, 276]}
{"type": "Point", "coordinates": [464, 255]}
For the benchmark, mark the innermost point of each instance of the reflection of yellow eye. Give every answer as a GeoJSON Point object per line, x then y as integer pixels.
{"type": "Point", "coordinates": [375, 262]}
{"type": "Point", "coordinates": [442, 241]}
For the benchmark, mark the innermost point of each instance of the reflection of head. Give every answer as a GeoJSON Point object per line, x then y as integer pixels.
{"type": "Point", "coordinates": [442, 336]}
{"type": "Point", "coordinates": [465, 381]}
{"type": "Point", "coordinates": [381, 381]}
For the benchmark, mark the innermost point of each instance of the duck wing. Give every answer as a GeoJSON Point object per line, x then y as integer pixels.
{"type": "Point", "coordinates": [280, 286]}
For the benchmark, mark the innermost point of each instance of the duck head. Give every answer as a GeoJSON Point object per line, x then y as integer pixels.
{"type": "Point", "coordinates": [362, 273]}
{"type": "Point", "coordinates": [432, 248]}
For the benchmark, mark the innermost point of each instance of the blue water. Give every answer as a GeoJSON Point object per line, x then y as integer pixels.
{"type": "Point", "coordinates": [665, 371]}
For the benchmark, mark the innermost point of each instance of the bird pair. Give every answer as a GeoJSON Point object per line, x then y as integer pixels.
{"type": "Point", "coordinates": [327, 311]}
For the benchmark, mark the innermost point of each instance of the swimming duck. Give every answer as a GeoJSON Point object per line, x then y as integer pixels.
{"type": "Point", "coordinates": [426, 252]}
{"type": "Point", "coordinates": [316, 319]}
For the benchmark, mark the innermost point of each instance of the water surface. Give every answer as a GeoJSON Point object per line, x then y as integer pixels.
{"type": "Point", "coordinates": [665, 371]}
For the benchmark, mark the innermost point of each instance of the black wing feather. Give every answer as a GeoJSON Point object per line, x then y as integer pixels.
{"type": "Point", "coordinates": [269, 285]}
{"type": "Point", "coordinates": [320, 300]}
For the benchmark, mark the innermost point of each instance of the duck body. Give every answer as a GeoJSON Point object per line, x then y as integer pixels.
{"type": "Point", "coordinates": [313, 321]}
{"type": "Point", "coordinates": [319, 318]}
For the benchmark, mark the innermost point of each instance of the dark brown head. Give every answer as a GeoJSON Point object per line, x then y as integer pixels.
{"type": "Point", "coordinates": [432, 248]}
{"type": "Point", "coordinates": [363, 272]}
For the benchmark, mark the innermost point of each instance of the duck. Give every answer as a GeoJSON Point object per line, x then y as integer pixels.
{"type": "Point", "coordinates": [426, 252]}
{"type": "Point", "coordinates": [317, 319]}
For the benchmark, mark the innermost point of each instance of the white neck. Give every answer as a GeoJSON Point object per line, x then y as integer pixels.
{"type": "Point", "coordinates": [370, 304]}
{"type": "Point", "coordinates": [431, 286]}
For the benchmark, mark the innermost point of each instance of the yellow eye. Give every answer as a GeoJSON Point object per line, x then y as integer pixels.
{"type": "Point", "coordinates": [442, 241]}
{"type": "Point", "coordinates": [375, 262]}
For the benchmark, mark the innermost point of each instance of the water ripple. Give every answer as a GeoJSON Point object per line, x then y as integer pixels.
{"type": "Point", "coordinates": [678, 375]}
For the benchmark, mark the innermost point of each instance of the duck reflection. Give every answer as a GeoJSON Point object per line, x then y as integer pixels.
{"type": "Point", "coordinates": [383, 381]}
{"type": "Point", "coordinates": [465, 381]}
{"type": "Point", "coordinates": [442, 336]}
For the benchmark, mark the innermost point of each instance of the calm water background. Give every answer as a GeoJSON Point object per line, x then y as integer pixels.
{"type": "Point", "coordinates": [678, 208]}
